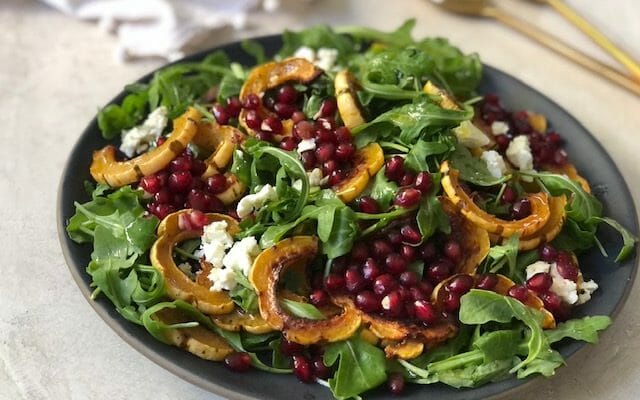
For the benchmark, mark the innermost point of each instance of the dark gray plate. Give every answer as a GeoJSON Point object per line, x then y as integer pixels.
{"type": "Point", "coordinates": [590, 158]}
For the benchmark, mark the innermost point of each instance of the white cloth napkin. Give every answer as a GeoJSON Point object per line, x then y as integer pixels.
{"type": "Point", "coordinates": [161, 28]}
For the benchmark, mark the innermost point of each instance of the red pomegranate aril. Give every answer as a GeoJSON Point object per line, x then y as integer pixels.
{"type": "Point", "coordinates": [519, 292]}
{"type": "Point", "coordinates": [339, 265]}
{"type": "Point", "coordinates": [425, 287]}
{"type": "Point", "coordinates": [407, 197]}
{"type": "Point", "coordinates": [452, 250]}
{"type": "Point", "coordinates": [265, 136]}
{"type": "Point", "coordinates": [234, 106]}
{"type": "Point", "coordinates": [163, 196]}
{"type": "Point", "coordinates": [553, 137]}
{"type": "Point", "coordinates": [425, 312]}
{"type": "Point", "coordinates": [283, 110]}
{"type": "Point", "coordinates": [407, 179]}
{"type": "Point", "coordinates": [428, 252]}
{"type": "Point", "coordinates": [304, 130]}
{"type": "Point", "coordinates": [198, 167]}
{"type": "Point", "coordinates": [272, 124]}
{"type": "Point", "coordinates": [221, 114]}
{"type": "Point", "coordinates": [416, 294]}
{"type": "Point", "coordinates": [560, 157]}
{"type": "Point", "coordinates": [325, 136]}
{"type": "Point", "coordinates": [411, 234]}
{"type": "Point", "coordinates": [180, 181]}
{"type": "Point", "coordinates": [502, 141]}
{"type": "Point", "coordinates": [198, 219]}
{"type": "Point", "coordinates": [268, 102]}
{"type": "Point", "coordinates": [328, 167]}
{"type": "Point", "coordinates": [319, 298]}
{"type": "Point", "coordinates": [302, 369]}
{"type": "Point", "coordinates": [392, 304]}
{"type": "Point", "coordinates": [287, 94]}
{"type": "Point", "coordinates": [214, 204]}
{"type": "Point", "coordinates": [367, 302]}
{"type": "Point", "coordinates": [151, 184]}
{"type": "Point", "coordinates": [298, 116]}
{"type": "Point", "coordinates": [439, 270]}
{"type": "Point", "coordinates": [547, 252]}
{"type": "Point", "coordinates": [552, 301]}
{"type": "Point", "coordinates": [197, 200]}
{"type": "Point", "coordinates": [394, 237]}
{"type": "Point", "coordinates": [161, 210]}
{"type": "Point", "coordinates": [408, 278]}
{"type": "Point", "coordinates": [216, 183]}
{"type": "Point", "coordinates": [335, 177]}
{"type": "Point", "coordinates": [253, 119]}
{"type": "Point", "coordinates": [424, 182]}
{"type": "Point", "coordinates": [251, 102]}
{"type": "Point", "coordinates": [371, 269]}
{"type": "Point", "coordinates": [180, 163]}
{"type": "Point", "coordinates": [160, 141]}
{"type": "Point", "coordinates": [327, 123]}
{"type": "Point", "coordinates": [328, 107]}
{"type": "Point", "coordinates": [521, 209]}
{"type": "Point", "coordinates": [451, 302]}
{"type": "Point", "coordinates": [238, 362]}
{"type": "Point", "coordinates": [288, 143]}
{"type": "Point", "coordinates": [354, 281]}
{"type": "Point", "coordinates": [540, 282]}
{"type": "Point", "coordinates": [325, 152]}
{"type": "Point", "coordinates": [460, 285]}
{"type": "Point", "coordinates": [368, 204]}
{"type": "Point", "coordinates": [345, 151]}
{"type": "Point", "coordinates": [487, 282]}
{"type": "Point", "coordinates": [509, 195]}
{"type": "Point", "coordinates": [290, 348]}
{"type": "Point", "coordinates": [178, 199]}
{"type": "Point", "coordinates": [394, 168]}
{"type": "Point", "coordinates": [566, 268]}
{"type": "Point", "coordinates": [383, 284]}
{"type": "Point", "coordinates": [381, 248]}
{"type": "Point", "coordinates": [320, 370]}
{"type": "Point", "coordinates": [359, 252]}
{"type": "Point", "coordinates": [395, 264]}
{"type": "Point", "coordinates": [334, 282]}
{"type": "Point", "coordinates": [408, 252]}
{"type": "Point", "coordinates": [343, 134]}
{"type": "Point", "coordinates": [395, 383]}
{"type": "Point", "coordinates": [308, 159]}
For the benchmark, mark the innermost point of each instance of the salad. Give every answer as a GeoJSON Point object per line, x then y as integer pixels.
{"type": "Point", "coordinates": [350, 211]}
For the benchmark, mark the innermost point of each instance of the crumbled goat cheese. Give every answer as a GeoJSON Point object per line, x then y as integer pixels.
{"type": "Point", "coordinates": [222, 279]}
{"type": "Point", "coordinates": [254, 202]}
{"type": "Point", "coordinates": [305, 52]}
{"type": "Point", "coordinates": [585, 289]}
{"type": "Point", "coordinates": [241, 256]}
{"type": "Point", "coordinates": [499, 128]}
{"type": "Point", "coordinates": [537, 267]}
{"type": "Point", "coordinates": [324, 58]}
{"type": "Point", "coordinates": [566, 289]}
{"type": "Point", "coordinates": [306, 145]}
{"type": "Point", "coordinates": [215, 241]}
{"type": "Point", "coordinates": [495, 163]}
{"type": "Point", "coordinates": [470, 136]}
{"type": "Point", "coordinates": [519, 153]}
{"type": "Point", "coordinates": [315, 179]}
{"type": "Point", "coordinates": [138, 139]}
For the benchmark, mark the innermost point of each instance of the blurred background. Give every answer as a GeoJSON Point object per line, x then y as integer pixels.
{"type": "Point", "coordinates": [61, 60]}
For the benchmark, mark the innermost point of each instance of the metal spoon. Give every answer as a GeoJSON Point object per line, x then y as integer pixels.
{"type": "Point", "coordinates": [484, 8]}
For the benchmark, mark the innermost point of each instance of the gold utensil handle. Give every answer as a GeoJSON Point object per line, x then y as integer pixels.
{"type": "Point", "coordinates": [597, 36]}
{"type": "Point", "coordinates": [564, 49]}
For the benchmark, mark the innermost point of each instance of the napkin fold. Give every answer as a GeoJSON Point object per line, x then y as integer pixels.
{"type": "Point", "coordinates": [162, 28]}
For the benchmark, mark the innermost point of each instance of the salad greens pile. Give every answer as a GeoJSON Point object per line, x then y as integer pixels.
{"type": "Point", "coordinates": [498, 336]}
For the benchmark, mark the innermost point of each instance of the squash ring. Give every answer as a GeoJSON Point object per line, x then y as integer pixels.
{"type": "Point", "coordinates": [345, 87]}
{"type": "Point", "coordinates": [367, 162]}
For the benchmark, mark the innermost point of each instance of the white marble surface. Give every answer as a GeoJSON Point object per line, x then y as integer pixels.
{"type": "Point", "coordinates": [55, 72]}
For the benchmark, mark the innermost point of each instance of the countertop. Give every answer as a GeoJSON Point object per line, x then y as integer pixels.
{"type": "Point", "coordinates": [54, 74]}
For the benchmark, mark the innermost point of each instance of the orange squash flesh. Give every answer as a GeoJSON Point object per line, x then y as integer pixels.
{"type": "Point", "coordinates": [551, 229]}
{"type": "Point", "coordinates": [367, 162]}
{"type": "Point", "coordinates": [346, 99]}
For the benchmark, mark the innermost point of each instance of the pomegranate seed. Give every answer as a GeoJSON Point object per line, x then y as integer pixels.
{"type": "Point", "coordinates": [566, 268]}
{"type": "Point", "coordinates": [408, 252]}
{"type": "Point", "coordinates": [395, 264]}
{"type": "Point", "coordinates": [521, 209]}
{"type": "Point", "coordinates": [395, 237]}
{"type": "Point", "coordinates": [328, 167]}
{"type": "Point", "coordinates": [407, 197]}
{"type": "Point", "coordinates": [428, 252]}
{"type": "Point", "coordinates": [253, 119]}
{"type": "Point", "coordinates": [251, 102]}
{"type": "Point", "coordinates": [416, 294]}
{"type": "Point", "coordinates": [334, 282]}
{"type": "Point", "coordinates": [354, 280]}
{"type": "Point", "coordinates": [304, 130]}
{"type": "Point", "coordinates": [197, 200]}
{"type": "Point", "coordinates": [460, 285]}
{"type": "Point", "coordinates": [425, 311]}
{"type": "Point", "coordinates": [509, 195]}
{"type": "Point", "coordinates": [407, 179]}
{"type": "Point", "coordinates": [160, 141]}
{"type": "Point", "coordinates": [343, 134]}
{"type": "Point", "coordinates": [394, 168]}
{"type": "Point", "coordinates": [381, 248]}
{"type": "Point", "coordinates": [370, 270]}
{"type": "Point", "coordinates": [163, 196]}
{"type": "Point", "coordinates": [439, 270]}
{"type": "Point", "coordinates": [268, 102]}
{"type": "Point", "coordinates": [319, 298]}
{"type": "Point", "coordinates": [335, 177]}
{"type": "Point", "coordinates": [327, 123]}
{"type": "Point", "coordinates": [547, 252]}
{"type": "Point", "coordinates": [302, 369]}
{"type": "Point", "coordinates": [408, 278]}
{"type": "Point", "coordinates": [319, 369]}
{"type": "Point", "coordinates": [180, 163]}
{"type": "Point", "coordinates": [265, 136]}
{"type": "Point", "coordinates": [487, 282]}
{"type": "Point", "coordinates": [384, 284]}
{"type": "Point", "coordinates": [308, 159]}
{"type": "Point", "coordinates": [198, 219]}
{"type": "Point", "coordinates": [328, 107]}
{"type": "Point", "coordinates": [367, 302]}
{"type": "Point", "coordinates": [198, 167]}
{"type": "Point", "coordinates": [287, 94]}
{"type": "Point", "coordinates": [298, 116]}
{"type": "Point", "coordinates": [283, 110]}
{"type": "Point", "coordinates": [452, 250]}
{"type": "Point", "coordinates": [540, 282]}
{"type": "Point", "coordinates": [425, 287]}
{"type": "Point", "coordinates": [502, 141]}
{"type": "Point", "coordinates": [519, 292]}
{"type": "Point", "coordinates": [324, 136]}
{"type": "Point", "coordinates": [180, 181]}
{"type": "Point", "coordinates": [411, 234]}
{"type": "Point", "coordinates": [151, 184]}
{"type": "Point", "coordinates": [424, 182]}
{"type": "Point", "coordinates": [161, 210]}
{"type": "Point", "coordinates": [563, 313]}
{"type": "Point", "coordinates": [367, 204]}
{"type": "Point", "coordinates": [221, 114]}
{"type": "Point", "coordinates": [178, 200]}
{"type": "Point", "coordinates": [553, 137]}
{"type": "Point", "coordinates": [359, 252]}
{"type": "Point", "coordinates": [395, 383]}
{"type": "Point", "coordinates": [234, 106]}
{"type": "Point", "coordinates": [560, 157]}
{"type": "Point", "coordinates": [345, 151]}
{"type": "Point", "coordinates": [551, 301]}
{"type": "Point", "coordinates": [325, 151]}
{"type": "Point", "coordinates": [238, 362]}
{"type": "Point", "coordinates": [339, 265]}
{"type": "Point", "coordinates": [392, 304]}
{"type": "Point", "coordinates": [216, 183]}
{"type": "Point", "coordinates": [451, 302]}
{"type": "Point", "coordinates": [290, 348]}
{"type": "Point", "coordinates": [271, 124]}
{"type": "Point", "coordinates": [288, 143]}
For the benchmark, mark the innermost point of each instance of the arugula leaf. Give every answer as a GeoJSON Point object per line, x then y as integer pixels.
{"type": "Point", "coordinates": [431, 217]}
{"type": "Point", "coordinates": [343, 233]}
{"type": "Point", "coordinates": [301, 310]}
{"type": "Point", "coordinates": [398, 38]}
{"type": "Point", "coordinates": [473, 169]}
{"type": "Point", "coordinates": [416, 159]}
{"type": "Point", "coordinates": [383, 190]}
{"type": "Point", "coordinates": [499, 345]}
{"type": "Point", "coordinates": [505, 255]}
{"type": "Point", "coordinates": [585, 329]}
{"type": "Point", "coordinates": [317, 37]}
{"type": "Point", "coordinates": [113, 119]}
{"type": "Point", "coordinates": [628, 239]}
{"type": "Point", "coordinates": [545, 364]}
{"type": "Point", "coordinates": [361, 367]}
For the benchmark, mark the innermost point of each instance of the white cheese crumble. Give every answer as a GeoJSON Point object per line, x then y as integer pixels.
{"type": "Point", "coordinates": [138, 139]}
{"type": "Point", "coordinates": [324, 58]}
{"type": "Point", "coordinates": [585, 291]}
{"type": "Point", "coordinates": [499, 128]}
{"type": "Point", "coordinates": [519, 153]}
{"type": "Point", "coordinates": [241, 256]}
{"type": "Point", "coordinates": [495, 163]}
{"type": "Point", "coordinates": [315, 179]}
{"type": "Point", "coordinates": [222, 279]}
{"type": "Point", "coordinates": [470, 136]}
{"type": "Point", "coordinates": [569, 291]}
{"type": "Point", "coordinates": [537, 267]}
{"type": "Point", "coordinates": [306, 145]}
{"type": "Point", "coordinates": [215, 241]}
{"type": "Point", "coordinates": [254, 202]}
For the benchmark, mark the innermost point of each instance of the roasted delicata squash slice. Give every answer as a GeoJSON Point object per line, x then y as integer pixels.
{"type": "Point", "coordinates": [269, 267]}
{"type": "Point", "coordinates": [446, 101]}
{"type": "Point", "coordinates": [222, 140]}
{"type": "Point", "coordinates": [177, 284]}
{"type": "Point", "coordinates": [106, 169]}
{"type": "Point", "coordinates": [405, 350]}
{"type": "Point", "coordinates": [367, 162]}
{"type": "Point", "coordinates": [241, 321]}
{"type": "Point", "coordinates": [196, 340]}
{"type": "Point", "coordinates": [551, 229]}
{"type": "Point", "coordinates": [347, 100]}
{"type": "Point", "coordinates": [528, 226]}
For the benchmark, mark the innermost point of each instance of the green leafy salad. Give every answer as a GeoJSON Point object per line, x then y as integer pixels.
{"type": "Point", "coordinates": [350, 211]}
